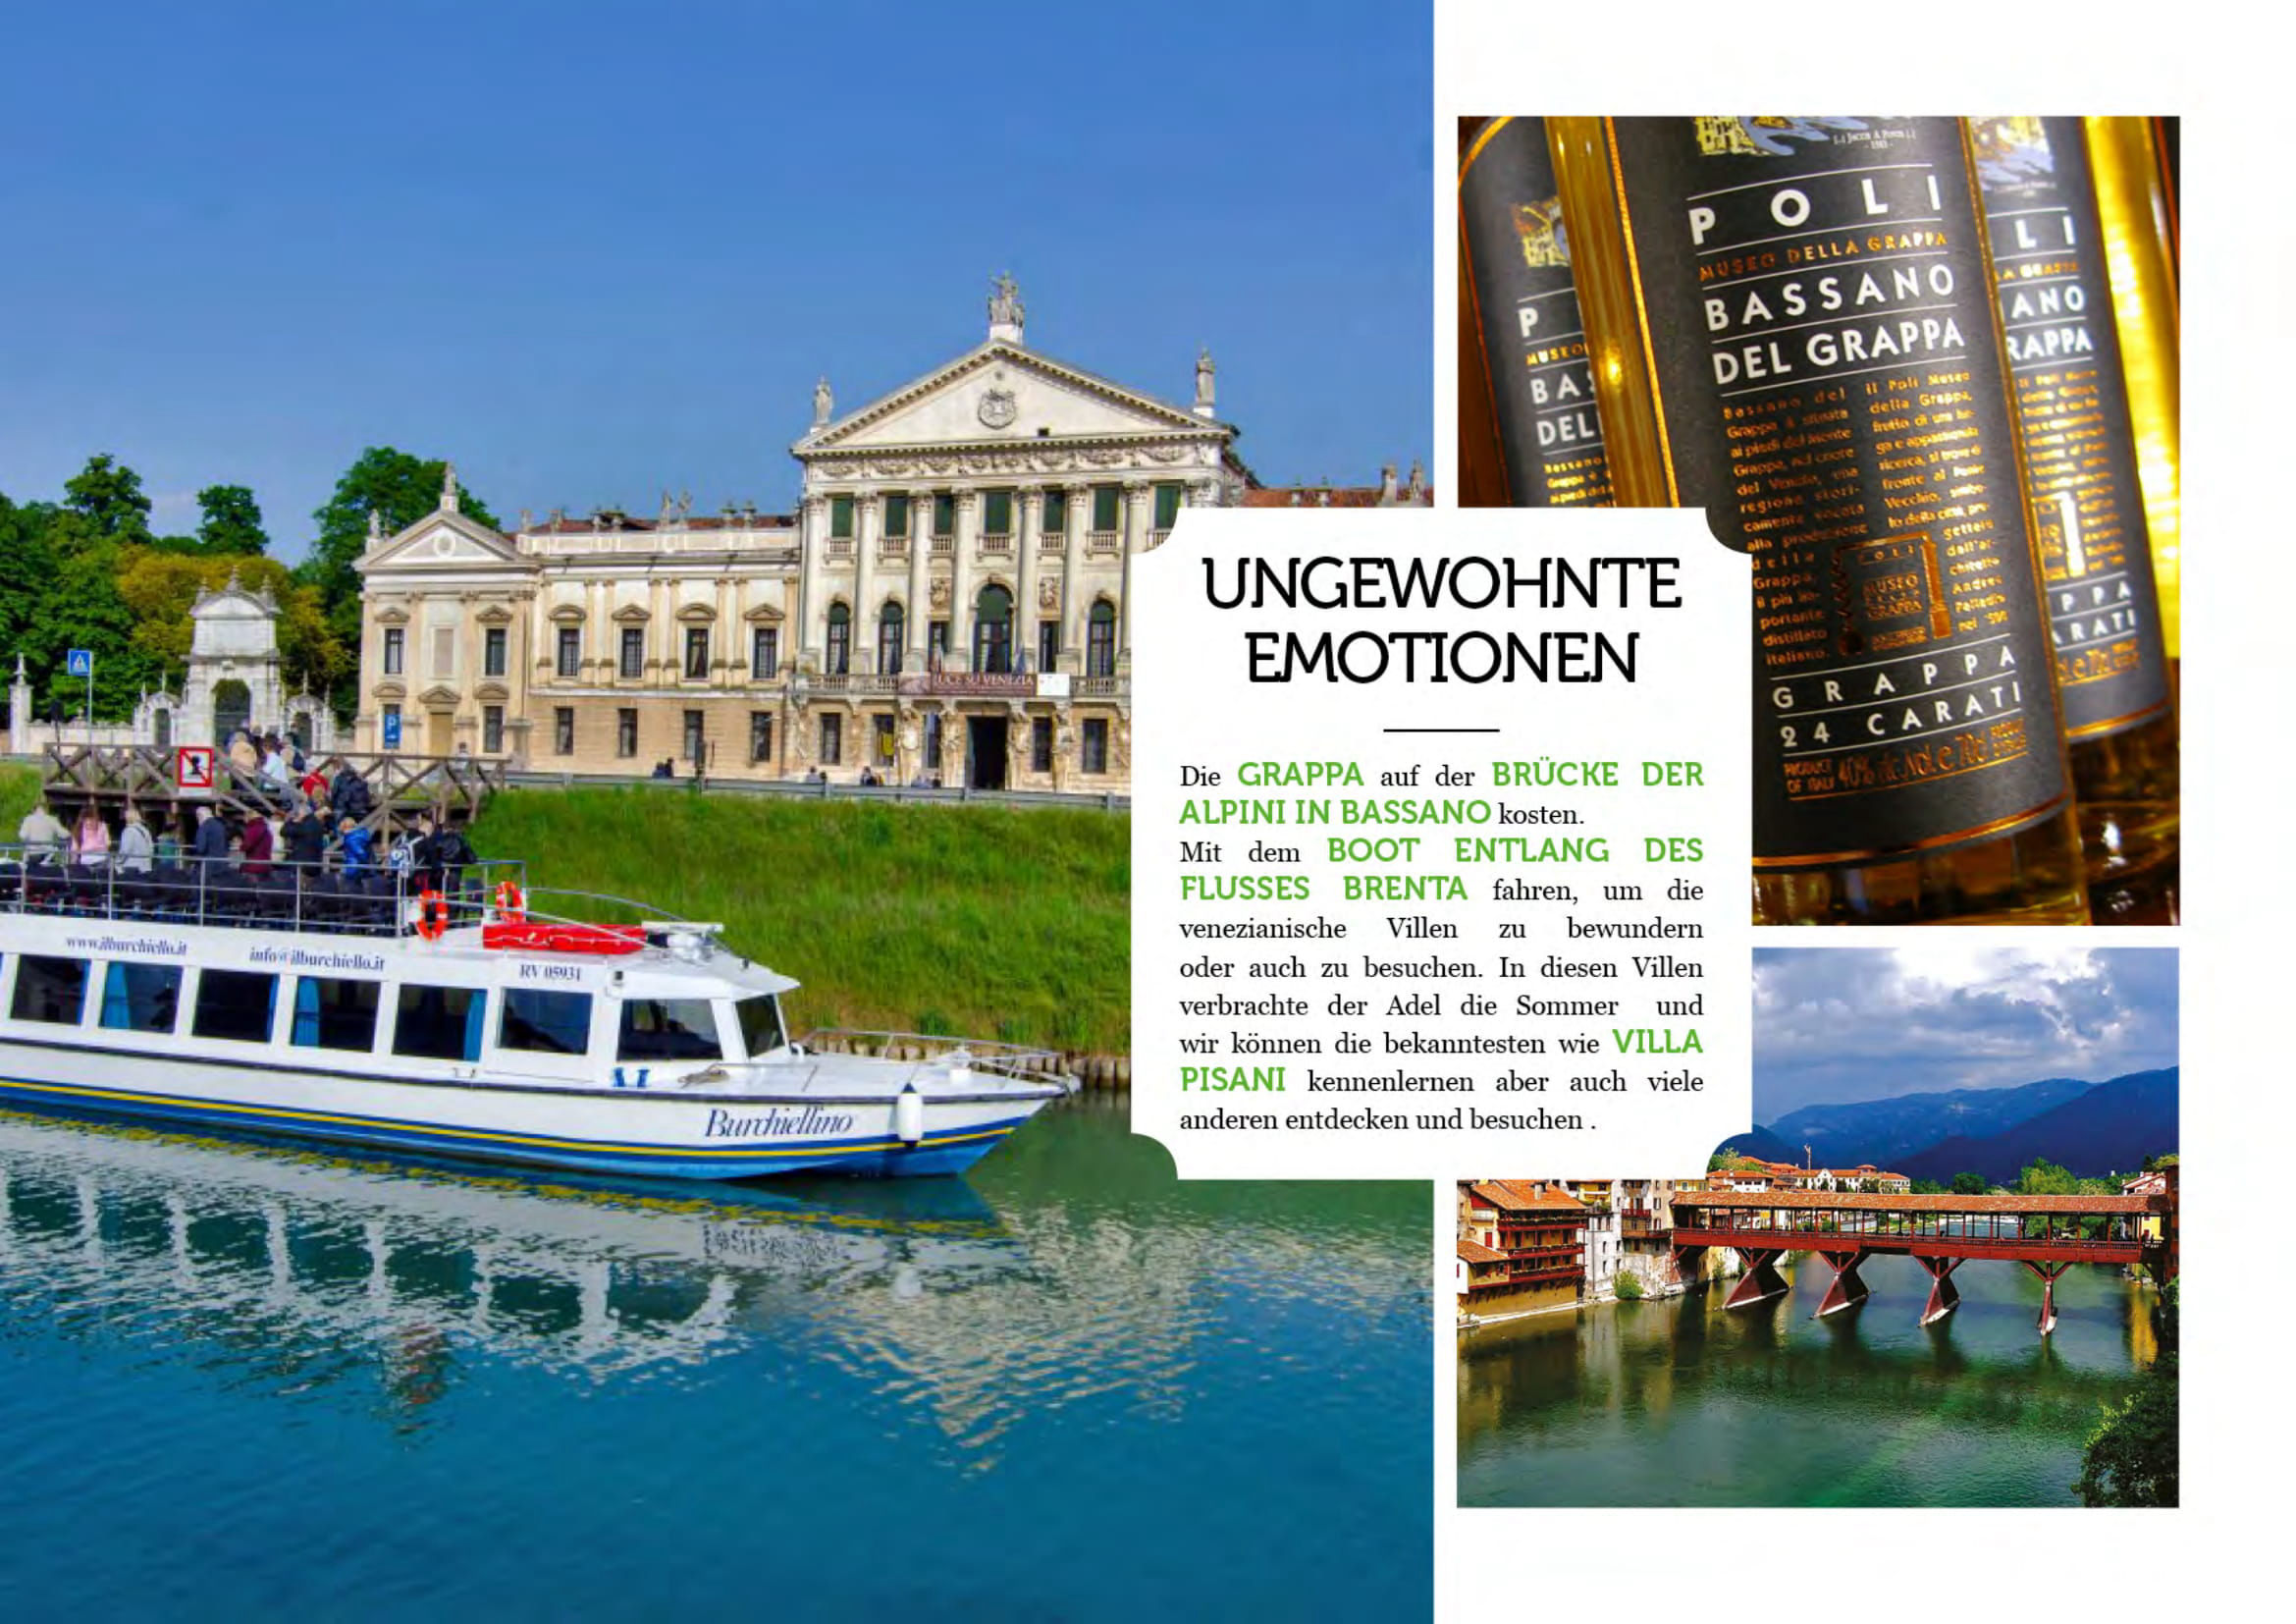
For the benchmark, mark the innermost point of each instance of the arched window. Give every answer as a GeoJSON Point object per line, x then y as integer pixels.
{"type": "Point", "coordinates": [992, 629]}
{"type": "Point", "coordinates": [1100, 640]}
{"type": "Point", "coordinates": [840, 659]}
{"type": "Point", "coordinates": [163, 728]}
{"type": "Point", "coordinates": [890, 624]}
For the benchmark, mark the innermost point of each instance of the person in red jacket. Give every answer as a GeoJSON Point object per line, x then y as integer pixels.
{"type": "Point", "coordinates": [255, 848]}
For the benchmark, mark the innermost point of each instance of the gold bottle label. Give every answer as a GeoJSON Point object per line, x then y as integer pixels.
{"type": "Point", "coordinates": [1829, 384]}
{"type": "Point", "coordinates": [2073, 404]}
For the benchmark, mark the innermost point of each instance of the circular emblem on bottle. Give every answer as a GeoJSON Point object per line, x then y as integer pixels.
{"type": "Point", "coordinates": [998, 408]}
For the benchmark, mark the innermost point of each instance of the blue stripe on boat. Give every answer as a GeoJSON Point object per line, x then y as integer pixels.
{"type": "Point", "coordinates": [938, 1154]}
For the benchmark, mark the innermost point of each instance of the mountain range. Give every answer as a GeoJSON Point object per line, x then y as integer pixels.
{"type": "Point", "coordinates": [2090, 1128]}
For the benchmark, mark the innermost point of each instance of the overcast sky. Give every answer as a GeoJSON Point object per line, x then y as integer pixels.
{"type": "Point", "coordinates": [1841, 1024]}
{"type": "Point", "coordinates": [594, 251]}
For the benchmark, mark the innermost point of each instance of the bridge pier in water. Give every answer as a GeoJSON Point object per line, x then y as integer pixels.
{"type": "Point", "coordinates": [2046, 1273]}
{"type": "Point", "coordinates": [1847, 1290]}
{"type": "Point", "coordinates": [1761, 1280]}
{"type": "Point", "coordinates": [1943, 1298]}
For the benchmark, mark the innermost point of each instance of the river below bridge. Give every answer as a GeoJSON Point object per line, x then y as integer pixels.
{"type": "Point", "coordinates": [1680, 1402]}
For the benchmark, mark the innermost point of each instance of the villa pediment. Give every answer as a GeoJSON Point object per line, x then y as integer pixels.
{"type": "Point", "coordinates": [764, 615]}
{"type": "Point", "coordinates": [443, 541]}
{"type": "Point", "coordinates": [1002, 394]}
{"type": "Point", "coordinates": [632, 615]}
{"type": "Point", "coordinates": [439, 696]}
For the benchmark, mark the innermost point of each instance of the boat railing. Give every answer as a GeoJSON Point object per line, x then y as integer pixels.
{"type": "Point", "coordinates": [371, 899]}
{"type": "Point", "coordinates": [1018, 1062]}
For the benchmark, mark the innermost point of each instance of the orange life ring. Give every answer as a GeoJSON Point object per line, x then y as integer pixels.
{"type": "Point", "coordinates": [509, 903]}
{"type": "Point", "coordinates": [430, 918]}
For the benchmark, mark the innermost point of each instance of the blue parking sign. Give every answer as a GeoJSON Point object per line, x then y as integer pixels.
{"type": "Point", "coordinates": [391, 728]}
{"type": "Point", "coordinates": [80, 662]}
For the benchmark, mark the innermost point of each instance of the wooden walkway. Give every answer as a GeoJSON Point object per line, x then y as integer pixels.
{"type": "Point", "coordinates": [398, 786]}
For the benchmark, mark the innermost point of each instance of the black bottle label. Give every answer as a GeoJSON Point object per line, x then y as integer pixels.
{"type": "Point", "coordinates": [1527, 310]}
{"type": "Point", "coordinates": [1827, 367]}
{"type": "Point", "coordinates": [2081, 452]}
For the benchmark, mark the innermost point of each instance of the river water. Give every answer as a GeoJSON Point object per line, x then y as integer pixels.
{"type": "Point", "coordinates": [240, 1380]}
{"type": "Point", "coordinates": [1678, 1402]}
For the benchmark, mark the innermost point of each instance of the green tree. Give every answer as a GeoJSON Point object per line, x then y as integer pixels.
{"type": "Point", "coordinates": [2044, 1177]}
{"type": "Point", "coordinates": [230, 522]}
{"type": "Point", "coordinates": [160, 587]}
{"type": "Point", "coordinates": [401, 487]}
{"type": "Point", "coordinates": [2131, 1457]}
{"type": "Point", "coordinates": [1927, 1187]}
{"type": "Point", "coordinates": [1969, 1184]}
{"type": "Point", "coordinates": [110, 494]}
{"type": "Point", "coordinates": [1729, 1157]}
{"type": "Point", "coordinates": [83, 609]}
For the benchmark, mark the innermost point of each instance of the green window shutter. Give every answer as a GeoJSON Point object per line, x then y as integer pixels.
{"type": "Point", "coordinates": [1167, 506]}
{"type": "Point", "coordinates": [1104, 499]}
{"type": "Point", "coordinates": [1056, 513]}
{"type": "Point", "coordinates": [996, 512]}
{"type": "Point", "coordinates": [896, 516]}
{"type": "Point", "coordinates": [840, 516]}
{"type": "Point", "coordinates": [944, 515]}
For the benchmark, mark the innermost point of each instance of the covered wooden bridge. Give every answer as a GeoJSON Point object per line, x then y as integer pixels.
{"type": "Point", "coordinates": [2048, 1234]}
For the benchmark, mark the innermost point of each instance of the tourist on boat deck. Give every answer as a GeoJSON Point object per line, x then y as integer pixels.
{"type": "Point", "coordinates": [255, 847]}
{"type": "Point", "coordinates": [305, 837]}
{"type": "Point", "coordinates": [401, 857]}
{"type": "Point", "coordinates": [211, 845]}
{"type": "Point", "coordinates": [242, 752]}
{"type": "Point", "coordinates": [352, 799]}
{"type": "Point", "coordinates": [41, 832]}
{"type": "Point", "coordinates": [91, 842]}
{"type": "Point", "coordinates": [276, 774]}
{"type": "Point", "coordinates": [134, 842]}
{"type": "Point", "coordinates": [358, 848]}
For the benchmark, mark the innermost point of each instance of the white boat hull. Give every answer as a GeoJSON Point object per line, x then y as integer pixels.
{"type": "Point", "coordinates": [651, 1132]}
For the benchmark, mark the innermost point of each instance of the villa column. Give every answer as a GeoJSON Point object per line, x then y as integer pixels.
{"type": "Point", "coordinates": [864, 611]}
{"type": "Point", "coordinates": [920, 604]}
{"type": "Point", "coordinates": [960, 582]}
{"type": "Point", "coordinates": [1137, 496]}
{"type": "Point", "coordinates": [1025, 613]}
{"type": "Point", "coordinates": [812, 614]}
{"type": "Point", "coordinates": [1072, 598]}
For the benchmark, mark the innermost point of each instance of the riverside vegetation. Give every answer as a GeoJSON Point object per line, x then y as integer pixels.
{"type": "Point", "coordinates": [993, 922]}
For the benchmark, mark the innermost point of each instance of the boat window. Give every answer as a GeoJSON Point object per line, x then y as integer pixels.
{"type": "Point", "coordinates": [235, 1005]}
{"type": "Point", "coordinates": [50, 988]}
{"type": "Point", "coordinates": [336, 1014]}
{"type": "Point", "coordinates": [761, 1024]}
{"type": "Point", "coordinates": [546, 1023]}
{"type": "Point", "coordinates": [668, 1029]}
{"type": "Point", "coordinates": [141, 997]}
{"type": "Point", "coordinates": [440, 1023]}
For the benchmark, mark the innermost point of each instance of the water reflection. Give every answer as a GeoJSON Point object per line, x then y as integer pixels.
{"type": "Point", "coordinates": [1681, 1401]}
{"type": "Point", "coordinates": [292, 1266]}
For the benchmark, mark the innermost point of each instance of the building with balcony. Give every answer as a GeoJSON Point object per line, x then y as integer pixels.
{"type": "Point", "coordinates": [949, 603]}
{"type": "Point", "coordinates": [1522, 1247]}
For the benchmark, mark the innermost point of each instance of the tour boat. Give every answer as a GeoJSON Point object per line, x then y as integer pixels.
{"type": "Point", "coordinates": [464, 1022]}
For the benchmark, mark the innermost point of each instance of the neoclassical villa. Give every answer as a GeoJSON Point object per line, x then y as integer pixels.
{"type": "Point", "coordinates": [947, 605]}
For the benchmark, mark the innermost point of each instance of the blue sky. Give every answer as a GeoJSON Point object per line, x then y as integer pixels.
{"type": "Point", "coordinates": [1842, 1024]}
{"type": "Point", "coordinates": [593, 251]}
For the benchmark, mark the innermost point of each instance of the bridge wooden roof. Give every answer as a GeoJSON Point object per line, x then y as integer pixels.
{"type": "Point", "coordinates": [1833, 1201]}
